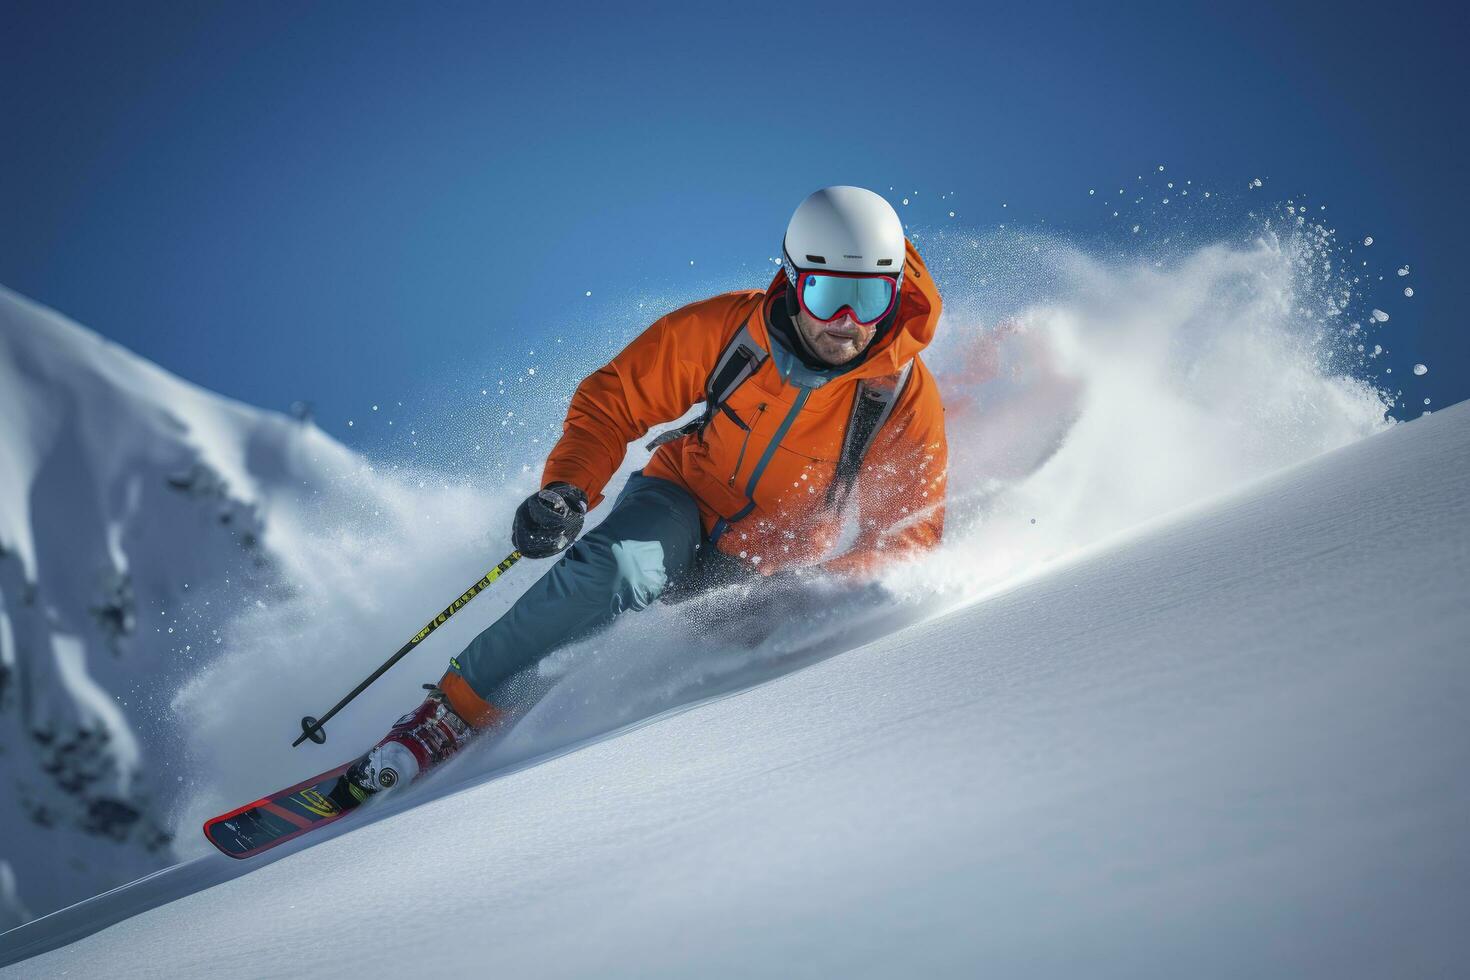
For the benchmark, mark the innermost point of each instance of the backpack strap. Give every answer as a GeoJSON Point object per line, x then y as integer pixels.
{"type": "Point", "coordinates": [741, 358]}
{"type": "Point", "coordinates": [871, 407]}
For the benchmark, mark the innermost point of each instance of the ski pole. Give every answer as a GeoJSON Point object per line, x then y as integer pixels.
{"type": "Point", "coordinates": [314, 729]}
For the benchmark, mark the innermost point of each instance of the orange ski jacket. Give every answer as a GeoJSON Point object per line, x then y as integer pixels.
{"type": "Point", "coordinates": [762, 492]}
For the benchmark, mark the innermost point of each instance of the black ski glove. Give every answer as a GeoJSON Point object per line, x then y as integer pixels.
{"type": "Point", "coordinates": [549, 520]}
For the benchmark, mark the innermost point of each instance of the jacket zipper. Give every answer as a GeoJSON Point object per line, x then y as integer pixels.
{"type": "Point", "coordinates": [785, 426]}
{"type": "Point", "coordinates": [723, 524]}
{"type": "Point", "coordinates": [740, 457]}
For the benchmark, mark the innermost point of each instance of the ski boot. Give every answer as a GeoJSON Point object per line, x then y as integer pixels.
{"type": "Point", "coordinates": [420, 740]}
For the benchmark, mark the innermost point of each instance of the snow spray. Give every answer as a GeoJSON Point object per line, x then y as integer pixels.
{"type": "Point", "coordinates": [1091, 385]}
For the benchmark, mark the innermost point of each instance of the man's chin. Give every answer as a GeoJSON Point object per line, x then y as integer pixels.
{"type": "Point", "coordinates": [840, 356]}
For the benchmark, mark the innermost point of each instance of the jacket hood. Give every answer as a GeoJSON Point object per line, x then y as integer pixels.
{"type": "Point", "coordinates": [918, 317]}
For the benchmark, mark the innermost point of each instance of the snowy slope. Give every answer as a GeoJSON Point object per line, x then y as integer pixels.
{"type": "Point", "coordinates": [128, 499]}
{"type": "Point", "coordinates": [1229, 743]}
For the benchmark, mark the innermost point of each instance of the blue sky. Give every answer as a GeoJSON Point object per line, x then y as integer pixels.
{"type": "Point", "coordinates": [369, 202]}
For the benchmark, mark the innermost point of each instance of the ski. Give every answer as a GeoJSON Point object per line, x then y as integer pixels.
{"type": "Point", "coordinates": [284, 815]}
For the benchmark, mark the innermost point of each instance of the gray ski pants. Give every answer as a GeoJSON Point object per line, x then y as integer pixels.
{"type": "Point", "coordinates": [648, 541]}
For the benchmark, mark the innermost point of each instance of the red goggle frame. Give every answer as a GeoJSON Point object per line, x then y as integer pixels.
{"type": "Point", "coordinates": [833, 292]}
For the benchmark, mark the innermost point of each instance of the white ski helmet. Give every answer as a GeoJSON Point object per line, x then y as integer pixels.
{"type": "Point", "coordinates": [843, 229]}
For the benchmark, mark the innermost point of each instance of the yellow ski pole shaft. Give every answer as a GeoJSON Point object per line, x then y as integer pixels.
{"type": "Point", "coordinates": [314, 729]}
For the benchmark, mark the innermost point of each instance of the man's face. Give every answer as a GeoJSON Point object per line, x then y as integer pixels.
{"type": "Point", "coordinates": [837, 342]}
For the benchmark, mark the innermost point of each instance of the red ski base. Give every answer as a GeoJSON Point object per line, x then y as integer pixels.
{"type": "Point", "coordinates": [282, 816]}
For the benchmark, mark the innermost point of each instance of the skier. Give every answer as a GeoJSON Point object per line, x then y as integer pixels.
{"type": "Point", "coordinates": [805, 385]}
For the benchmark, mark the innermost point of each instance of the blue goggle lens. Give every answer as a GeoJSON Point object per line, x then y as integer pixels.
{"type": "Point", "coordinates": [867, 297]}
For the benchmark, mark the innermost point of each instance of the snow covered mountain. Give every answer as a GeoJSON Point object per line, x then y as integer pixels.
{"type": "Point", "coordinates": [127, 499]}
{"type": "Point", "coordinates": [1231, 742]}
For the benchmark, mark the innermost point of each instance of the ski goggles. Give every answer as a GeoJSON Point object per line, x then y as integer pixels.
{"type": "Point", "coordinates": [824, 295]}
